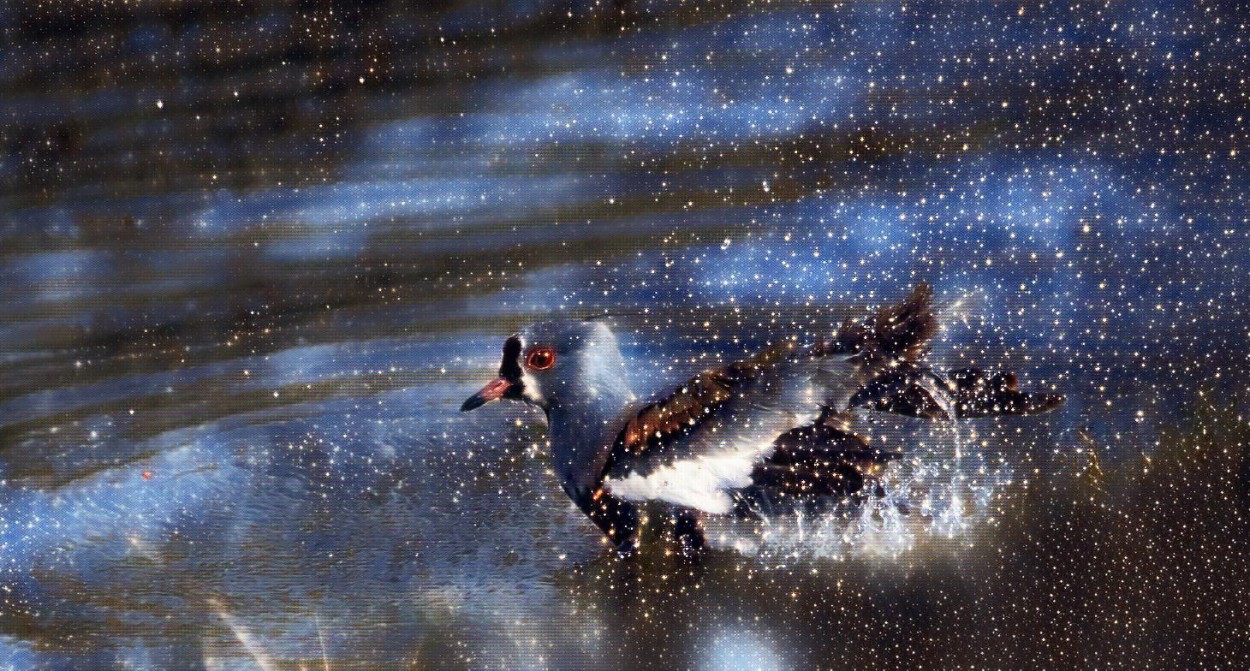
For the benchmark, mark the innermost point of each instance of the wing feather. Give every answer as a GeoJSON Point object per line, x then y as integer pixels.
{"type": "Point", "coordinates": [664, 422]}
{"type": "Point", "coordinates": [710, 435]}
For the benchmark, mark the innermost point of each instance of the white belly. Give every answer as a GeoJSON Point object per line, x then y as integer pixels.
{"type": "Point", "coordinates": [699, 483]}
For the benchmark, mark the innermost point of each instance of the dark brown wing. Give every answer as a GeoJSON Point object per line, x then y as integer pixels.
{"type": "Point", "coordinates": [979, 394]}
{"type": "Point", "coordinates": [821, 459]}
{"type": "Point", "coordinates": [915, 390]}
{"type": "Point", "coordinates": [665, 422]}
{"type": "Point", "coordinates": [708, 437]}
{"type": "Point", "coordinates": [896, 332]}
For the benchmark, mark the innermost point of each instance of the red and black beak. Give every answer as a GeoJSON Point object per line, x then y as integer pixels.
{"type": "Point", "coordinates": [507, 385]}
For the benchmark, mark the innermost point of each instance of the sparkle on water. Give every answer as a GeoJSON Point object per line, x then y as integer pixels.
{"type": "Point", "coordinates": [253, 256]}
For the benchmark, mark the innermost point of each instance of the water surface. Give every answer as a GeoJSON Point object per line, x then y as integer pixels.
{"type": "Point", "coordinates": [252, 262]}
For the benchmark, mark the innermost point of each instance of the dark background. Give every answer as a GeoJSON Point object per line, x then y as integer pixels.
{"type": "Point", "coordinates": [253, 255]}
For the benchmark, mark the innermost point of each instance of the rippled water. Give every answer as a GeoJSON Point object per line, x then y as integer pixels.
{"type": "Point", "coordinates": [245, 291]}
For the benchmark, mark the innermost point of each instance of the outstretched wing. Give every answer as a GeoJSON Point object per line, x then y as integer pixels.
{"type": "Point", "coordinates": [709, 437]}
{"type": "Point", "coordinates": [899, 332]}
{"type": "Point", "coordinates": [823, 458]}
{"type": "Point", "coordinates": [916, 390]}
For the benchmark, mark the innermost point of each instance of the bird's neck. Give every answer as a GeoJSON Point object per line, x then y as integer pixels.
{"type": "Point", "coordinates": [583, 426]}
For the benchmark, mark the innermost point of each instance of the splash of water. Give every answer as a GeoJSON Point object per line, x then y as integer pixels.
{"type": "Point", "coordinates": [935, 503]}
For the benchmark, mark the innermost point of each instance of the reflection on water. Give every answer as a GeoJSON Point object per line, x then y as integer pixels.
{"type": "Point", "coordinates": [253, 257]}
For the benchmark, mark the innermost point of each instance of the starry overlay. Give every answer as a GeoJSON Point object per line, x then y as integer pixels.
{"type": "Point", "coordinates": [254, 254]}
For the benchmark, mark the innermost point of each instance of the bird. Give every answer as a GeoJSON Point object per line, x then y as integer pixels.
{"type": "Point", "coordinates": [777, 424]}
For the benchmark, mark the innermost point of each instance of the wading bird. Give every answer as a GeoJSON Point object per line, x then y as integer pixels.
{"type": "Point", "coordinates": [776, 425]}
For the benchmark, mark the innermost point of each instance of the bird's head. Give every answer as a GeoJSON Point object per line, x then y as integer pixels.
{"type": "Point", "coordinates": [554, 363]}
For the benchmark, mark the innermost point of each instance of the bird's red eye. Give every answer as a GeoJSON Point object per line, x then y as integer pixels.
{"type": "Point", "coordinates": [540, 358]}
